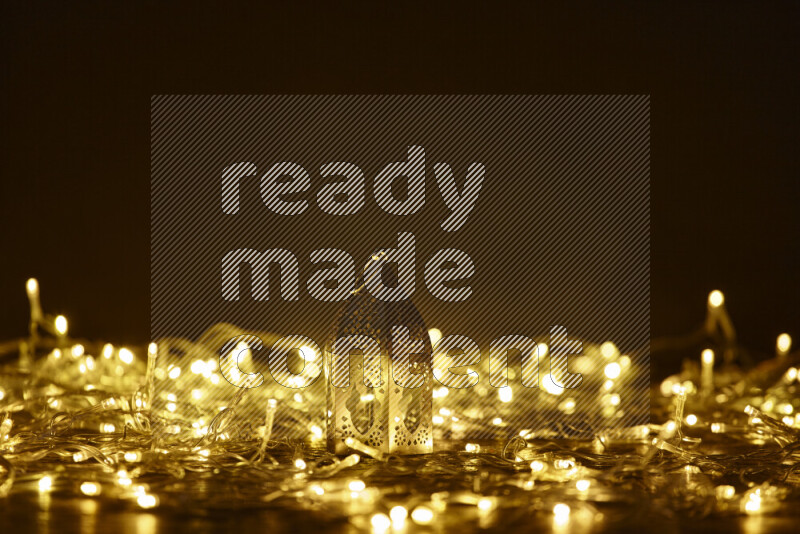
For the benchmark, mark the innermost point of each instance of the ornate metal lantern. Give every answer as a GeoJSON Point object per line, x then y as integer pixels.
{"type": "Point", "coordinates": [378, 368]}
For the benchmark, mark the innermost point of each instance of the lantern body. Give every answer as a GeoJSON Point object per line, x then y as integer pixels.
{"type": "Point", "coordinates": [379, 377]}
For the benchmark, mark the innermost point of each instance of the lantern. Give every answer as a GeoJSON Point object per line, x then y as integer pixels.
{"type": "Point", "coordinates": [378, 368]}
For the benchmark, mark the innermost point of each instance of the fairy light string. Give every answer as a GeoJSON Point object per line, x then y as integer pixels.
{"type": "Point", "coordinates": [85, 419]}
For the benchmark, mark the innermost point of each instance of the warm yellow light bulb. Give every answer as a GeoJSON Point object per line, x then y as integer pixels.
{"type": "Point", "coordinates": [308, 353]}
{"type": "Point", "coordinates": [147, 501]}
{"type": "Point", "coordinates": [90, 488]}
{"type": "Point", "coordinates": [609, 350]}
{"type": "Point", "coordinates": [61, 325]}
{"type": "Point", "coordinates": [784, 343]}
{"type": "Point", "coordinates": [422, 515]}
{"type": "Point", "coordinates": [485, 504]}
{"type": "Point", "coordinates": [550, 386]}
{"type": "Point", "coordinates": [380, 522]}
{"type": "Point", "coordinates": [32, 286]}
{"type": "Point", "coordinates": [612, 370]}
{"type": "Point", "coordinates": [435, 334]}
{"type": "Point", "coordinates": [45, 483]}
{"type": "Point", "coordinates": [125, 355]}
{"type": "Point", "coordinates": [708, 357]}
{"type": "Point", "coordinates": [398, 514]}
{"type": "Point", "coordinates": [356, 485]}
{"type": "Point", "coordinates": [561, 511]}
{"type": "Point", "coordinates": [716, 298]}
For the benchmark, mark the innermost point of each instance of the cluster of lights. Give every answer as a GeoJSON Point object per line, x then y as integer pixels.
{"type": "Point", "coordinates": [770, 415]}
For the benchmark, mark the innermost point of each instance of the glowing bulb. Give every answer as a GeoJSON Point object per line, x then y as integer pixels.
{"type": "Point", "coordinates": [197, 394]}
{"type": "Point", "coordinates": [318, 490]}
{"type": "Point", "coordinates": [357, 485]}
{"type": "Point", "coordinates": [77, 350]}
{"type": "Point", "coordinates": [561, 511]}
{"type": "Point", "coordinates": [609, 350]}
{"type": "Point", "coordinates": [45, 484]}
{"type": "Point", "coordinates": [198, 367]}
{"type": "Point", "coordinates": [472, 447]}
{"type": "Point", "coordinates": [726, 492]}
{"type": "Point", "coordinates": [537, 466]}
{"type": "Point", "coordinates": [716, 298]}
{"type": "Point", "coordinates": [380, 522]}
{"type": "Point", "coordinates": [550, 386]}
{"type": "Point", "coordinates": [612, 370]}
{"type": "Point", "coordinates": [32, 285]}
{"type": "Point", "coordinates": [435, 334]}
{"type": "Point", "coordinates": [308, 353]}
{"type": "Point", "coordinates": [108, 428]}
{"type": "Point", "coordinates": [583, 485]}
{"type": "Point", "coordinates": [61, 325]}
{"type": "Point", "coordinates": [784, 343]}
{"type": "Point", "coordinates": [485, 504]}
{"type": "Point", "coordinates": [668, 430]}
{"type": "Point", "coordinates": [316, 431]}
{"type": "Point", "coordinates": [752, 506]}
{"type": "Point", "coordinates": [497, 421]}
{"type": "Point", "coordinates": [108, 350]}
{"type": "Point", "coordinates": [708, 357]}
{"type": "Point", "coordinates": [505, 394]}
{"type": "Point", "coordinates": [398, 514]}
{"type": "Point", "coordinates": [691, 419]}
{"type": "Point", "coordinates": [422, 515]}
{"type": "Point", "coordinates": [174, 373]}
{"type": "Point", "coordinates": [564, 463]}
{"type": "Point", "coordinates": [125, 355]}
{"type": "Point", "coordinates": [300, 463]}
{"type": "Point", "coordinates": [90, 488]}
{"type": "Point", "coordinates": [131, 456]}
{"type": "Point", "coordinates": [147, 501]}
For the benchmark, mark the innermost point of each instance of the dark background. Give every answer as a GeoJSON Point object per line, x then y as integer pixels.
{"type": "Point", "coordinates": [77, 80]}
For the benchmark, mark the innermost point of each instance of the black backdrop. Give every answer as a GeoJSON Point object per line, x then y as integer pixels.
{"type": "Point", "coordinates": [77, 80]}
